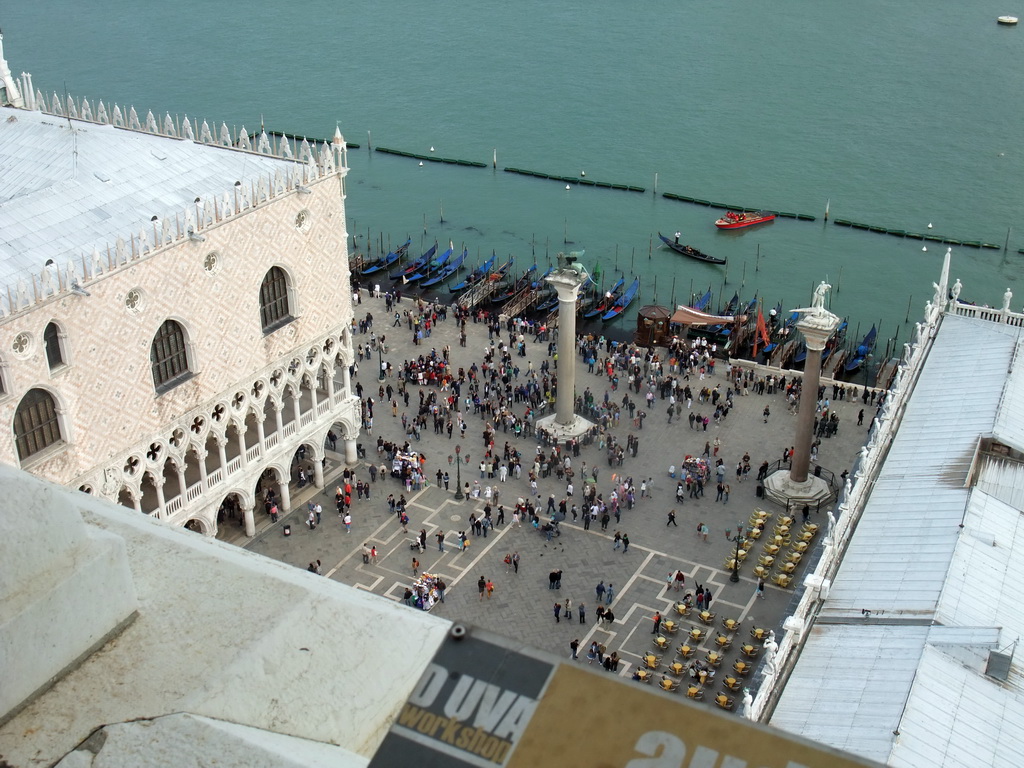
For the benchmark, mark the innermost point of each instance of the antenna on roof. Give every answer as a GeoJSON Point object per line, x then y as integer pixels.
{"type": "Point", "coordinates": [74, 134]}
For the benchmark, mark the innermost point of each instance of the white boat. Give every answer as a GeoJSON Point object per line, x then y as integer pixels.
{"type": "Point", "coordinates": [1007, 20]}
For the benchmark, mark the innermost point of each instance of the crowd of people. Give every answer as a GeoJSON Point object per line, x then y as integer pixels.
{"type": "Point", "coordinates": [500, 392]}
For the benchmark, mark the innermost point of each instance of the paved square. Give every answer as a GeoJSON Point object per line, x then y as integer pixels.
{"type": "Point", "coordinates": [522, 604]}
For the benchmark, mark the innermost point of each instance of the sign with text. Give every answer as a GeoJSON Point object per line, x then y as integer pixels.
{"type": "Point", "coordinates": [483, 702]}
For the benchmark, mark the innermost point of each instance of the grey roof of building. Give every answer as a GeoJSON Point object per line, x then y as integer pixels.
{"type": "Point", "coordinates": [69, 187]}
{"type": "Point", "coordinates": [937, 563]}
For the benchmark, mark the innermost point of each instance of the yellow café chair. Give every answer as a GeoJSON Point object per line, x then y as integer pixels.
{"type": "Point", "coordinates": [794, 557]}
{"type": "Point", "coordinates": [741, 668]}
{"type": "Point", "coordinates": [766, 560]}
{"type": "Point", "coordinates": [811, 528]}
{"type": "Point", "coordinates": [782, 580]}
{"type": "Point", "coordinates": [759, 633]}
{"type": "Point", "coordinates": [723, 701]}
{"type": "Point", "coordinates": [651, 661]}
{"type": "Point", "coordinates": [714, 659]}
{"type": "Point", "coordinates": [668, 685]}
{"type": "Point", "coordinates": [732, 683]}
{"type": "Point", "coordinates": [761, 572]}
{"type": "Point", "coordinates": [750, 651]}
{"type": "Point", "coordinates": [787, 567]}
{"type": "Point", "coordinates": [755, 532]}
{"type": "Point", "coordinates": [695, 692]}
{"type": "Point", "coordinates": [801, 547]}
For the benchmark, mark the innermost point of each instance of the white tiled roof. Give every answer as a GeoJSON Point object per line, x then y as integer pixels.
{"type": "Point", "coordinates": [908, 693]}
{"type": "Point", "coordinates": [896, 563]}
{"type": "Point", "coordinates": [843, 694]}
{"type": "Point", "coordinates": [64, 192]}
{"type": "Point", "coordinates": [957, 718]}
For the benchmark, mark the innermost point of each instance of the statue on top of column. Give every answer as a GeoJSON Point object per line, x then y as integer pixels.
{"type": "Point", "coordinates": [817, 313]}
{"type": "Point", "coordinates": [570, 262]}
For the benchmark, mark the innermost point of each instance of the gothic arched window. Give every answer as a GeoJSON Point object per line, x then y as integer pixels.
{"type": "Point", "coordinates": [169, 356]}
{"type": "Point", "coordinates": [36, 423]}
{"type": "Point", "coordinates": [275, 300]}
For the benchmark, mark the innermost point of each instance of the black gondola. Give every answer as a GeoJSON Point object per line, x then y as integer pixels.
{"type": "Point", "coordinates": [690, 251]}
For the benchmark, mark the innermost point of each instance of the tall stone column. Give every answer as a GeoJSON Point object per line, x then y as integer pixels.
{"type": "Point", "coordinates": [816, 324]}
{"type": "Point", "coordinates": [816, 337]}
{"type": "Point", "coordinates": [566, 281]}
{"type": "Point", "coordinates": [568, 292]}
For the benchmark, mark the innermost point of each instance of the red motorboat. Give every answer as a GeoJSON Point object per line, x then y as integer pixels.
{"type": "Point", "coordinates": [734, 220]}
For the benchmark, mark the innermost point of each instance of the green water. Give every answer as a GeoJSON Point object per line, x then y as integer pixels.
{"type": "Point", "coordinates": [901, 114]}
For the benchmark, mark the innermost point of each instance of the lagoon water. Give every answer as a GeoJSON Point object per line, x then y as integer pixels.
{"type": "Point", "coordinates": [901, 114]}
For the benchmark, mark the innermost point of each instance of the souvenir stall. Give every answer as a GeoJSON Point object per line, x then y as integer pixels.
{"type": "Point", "coordinates": [404, 464]}
{"type": "Point", "coordinates": [424, 592]}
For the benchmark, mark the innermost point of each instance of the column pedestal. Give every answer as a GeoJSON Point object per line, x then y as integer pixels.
{"type": "Point", "coordinates": [351, 454]}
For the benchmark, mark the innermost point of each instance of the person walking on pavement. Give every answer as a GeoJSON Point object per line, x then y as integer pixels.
{"type": "Point", "coordinates": [481, 585]}
{"type": "Point", "coordinates": [415, 567]}
{"type": "Point", "coordinates": [582, 611]}
{"type": "Point", "coordinates": [618, 541]}
{"type": "Point", "coordinates": [557, 609]}
{"type": "Point", "coordinates": [657, 622]}
{"type": "Point", "coordinates": [672, 519]}
{"type": "Point", "coordinates": [600, 590]}
{"type": "Point", "coordinates": [567, 609]}
{"type": "Point", "coordinates": [609, 594]}
{"type": "Point", "coordinates": [759, 592]}
{"type": "Point", "coordinates": [440, 541]}
{"type": "Point", "coordinates": [625, 543]}
{"type": "Point", "coordinates": [515, 562]}
{"type": "Point", "coordinates": [490, 588]}
{"type": "Point", "coordinates": [574, 647]}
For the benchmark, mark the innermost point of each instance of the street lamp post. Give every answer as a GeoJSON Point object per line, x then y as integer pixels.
{"type": "Point", "coordinates": [739, 538]}
{"type": "Point", "coordinates": [380, 365]}
{"type": "Point", "coordinates": [458, 473]}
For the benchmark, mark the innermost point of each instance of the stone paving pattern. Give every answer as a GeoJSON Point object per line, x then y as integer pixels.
{"type": "Point", "coordinates": [522, 604]}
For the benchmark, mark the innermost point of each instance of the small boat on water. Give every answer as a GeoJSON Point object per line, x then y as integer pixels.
{"type": "Point", "coordinates": [432, 267]}
{"type": "Point", "coordinates": [606, 302]}
{"type": "Point", "coordinates": [476, 275]}
{"type": "Point", "coordinates": [834, 342]}
{"type": "Point", "coordinates": [862, 351]}
{"type": "Point", "coordinates": [386, 261]}
{"type": "Point", "coordinates": [735, 220]}
{"type": "Point", "coordinates": [521, 284]}
{"type": "Point", "coordinates": [416, 266]}
{"type": "Point", "coordinates": [1007, 21]}
{"type": "Point", "coordinates": [621, 303]}
{"type": "Point", "coordinates": [447, 271]}
{"type": "Point", "coordinates": [687, 250]}
{"type": "Point", "coordinates": [702, 303]}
